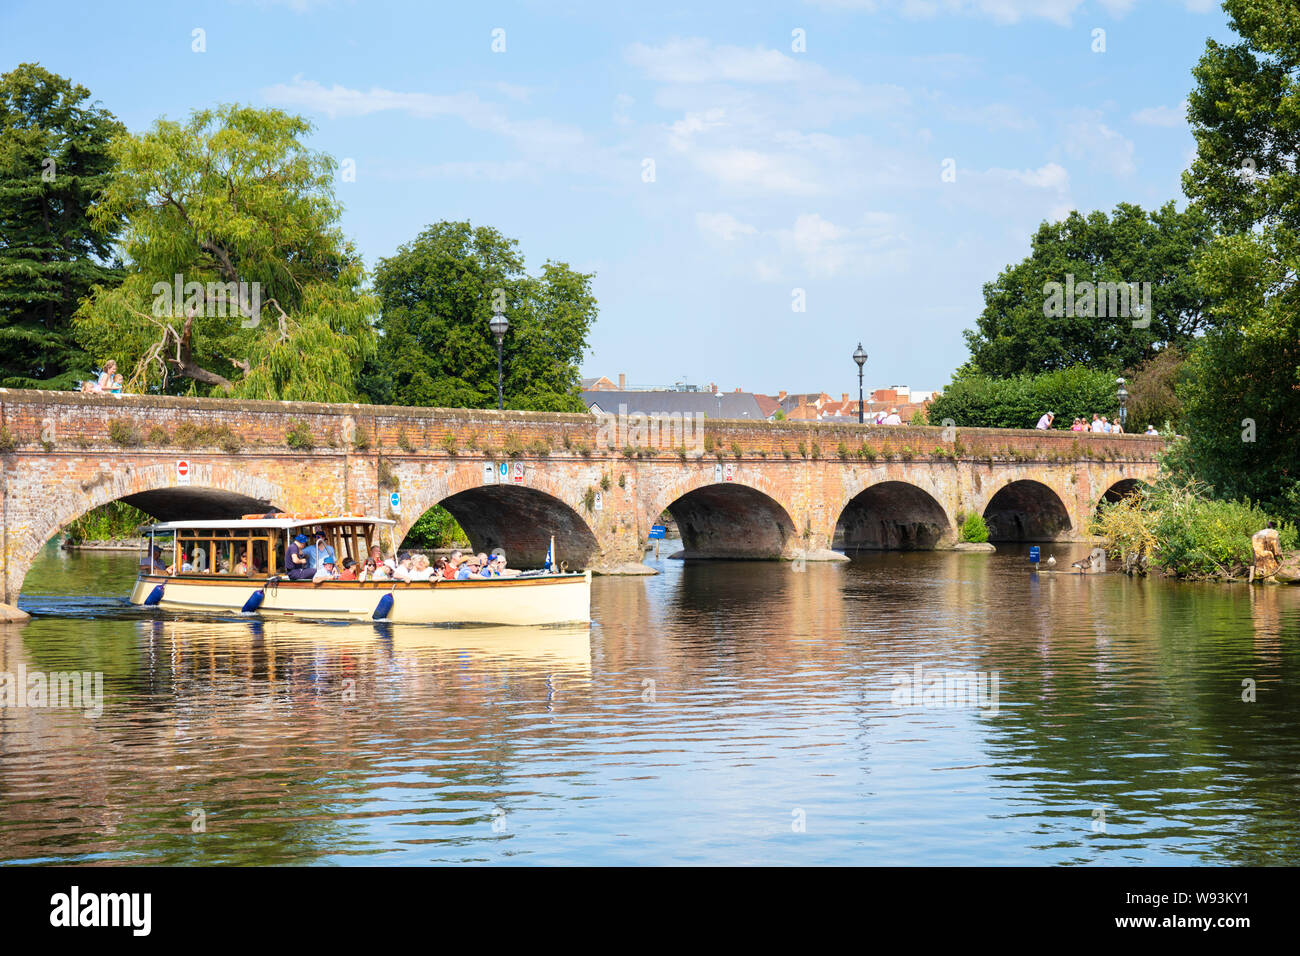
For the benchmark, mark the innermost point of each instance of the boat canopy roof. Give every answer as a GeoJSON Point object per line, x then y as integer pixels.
{"type": "Point", "coordinates": [261, 523]}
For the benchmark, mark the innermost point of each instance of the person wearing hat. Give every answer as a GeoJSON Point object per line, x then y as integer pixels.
{"type": "Point", "coordinates": [325, 572]}
{"type": "Point", "coordinates": [892, 418]}
{"type": "Point", "coordinates": [296, 562]}
{"type": "Point", "coordinates": [153, 564]}
{"type": "Point", "coordinates": [320, 552]}
{"type": "Point", "coordinates": [1045, 422]}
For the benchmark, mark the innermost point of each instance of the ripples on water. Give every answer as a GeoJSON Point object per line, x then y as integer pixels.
{"type": "Point", "coordinates": [705, 714]}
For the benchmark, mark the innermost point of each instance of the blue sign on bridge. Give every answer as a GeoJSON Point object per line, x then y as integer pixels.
{"type": "Point", "coordinates": [657, 532]}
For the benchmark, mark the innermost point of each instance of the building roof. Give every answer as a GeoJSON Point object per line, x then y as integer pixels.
{"type": "Point", "coordinates": [767, 405]}
{"type": "Point", "coordinates": [720, 405]}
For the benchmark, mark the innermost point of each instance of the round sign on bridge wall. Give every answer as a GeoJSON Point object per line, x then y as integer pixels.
{"type": "Point", "coordinates": [182, 471]}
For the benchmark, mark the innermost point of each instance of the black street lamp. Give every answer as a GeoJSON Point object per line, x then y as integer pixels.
{"type": "Point", "coordinates": [1122, 394]}
{"type": "Point", "coordinates": [860, 357]}
{"type": "Point", "coordinates": [499, 326]}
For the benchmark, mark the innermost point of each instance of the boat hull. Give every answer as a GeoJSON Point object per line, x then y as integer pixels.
{"type": "Point", "coordinates": [533, 600]}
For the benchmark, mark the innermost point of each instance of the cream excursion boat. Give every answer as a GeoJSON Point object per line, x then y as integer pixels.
{"type": "Point", "coordinates": [208, 581]}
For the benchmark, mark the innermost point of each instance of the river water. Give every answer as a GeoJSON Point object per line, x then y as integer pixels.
{"type": "Point", "coordinates": [718, 713]}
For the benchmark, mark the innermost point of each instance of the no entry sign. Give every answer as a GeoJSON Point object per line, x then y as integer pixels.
{"type": "Point", "coordinates": [182, 471]}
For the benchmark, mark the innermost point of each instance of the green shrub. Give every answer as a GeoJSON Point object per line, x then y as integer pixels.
{"type": "Point", "coordinates": [299, 436]}
{"type": "Point", "coordinates": [513, 446]}
{"type": "Point", "coordinates": [404, 442]}
{"type": "Point", "coordinates": [982, 402]}
{"type": "Point", "coordinates": [448, 443]}
{"type": "Point", "coordinates": [1185, 532]}
{"type": "Point", "coordinates": [158, 436]}
{"type": "Point", "coordinates": [7, 440]}
{"type": "Point", "coordinates": [360, 438]}
{"type": "Point", "coordinates": [123, 433]}
{"type": "Point", "coordinates": [974, 529]}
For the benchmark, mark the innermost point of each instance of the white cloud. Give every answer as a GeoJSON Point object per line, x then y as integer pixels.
{"type": "Point", "coordinates": [1088, 138]}
{"type": "Point", "coordinates": [1162, 115]}
{"type": "Point", "coordinates": [681, 132]}
{"type": "Point", "coordinates": [751, 169]}
{"type": "Point", "coordinates": [541, 140]}
{"type": "Point", "coordinates": [722, 225]}
{"type": "Point", "coordinates": [695, 60]}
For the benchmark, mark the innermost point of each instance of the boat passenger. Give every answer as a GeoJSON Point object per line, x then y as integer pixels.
{"type": "Point", "coordinates": [320, 552]}
{"type": "Point", "coordinates": [467, 569]}
{"type": "Point", "coordinates": [420, 570]}
{"type": "Point", "coordinates": [325, 572]}
{"type": "Point", "coordinates": [185, 565]}
{"type": "Point", "coordinates": [153, 564]}
{"type": "Point", "coordinates": [295, 562]}
{"type": "Point", "coordinates": [453, 565]}
{"type": "Point", "coordinates": [377, 555]}
{"type": "Point", "coordinates": [241, 566]}
{"type": "Point", "coordinates": [403, 570]}
{"type": "Point", "coordinates": [349, 571]}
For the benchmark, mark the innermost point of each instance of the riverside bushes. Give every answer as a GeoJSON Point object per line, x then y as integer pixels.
{"type": "Point", "coordinates": [1182, 531]}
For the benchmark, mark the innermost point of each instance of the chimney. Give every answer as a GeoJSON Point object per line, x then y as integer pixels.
{"type": "Point", "coordinates": [844, 398]}
{"type": "Point", "coordinates": [622, 381]}
{"type": "Point", "coordinates": [713, 388]}
{"type": "Point", "coordinates": [737, 390]}
{"type": "Point", "coordinates": [780, 396]}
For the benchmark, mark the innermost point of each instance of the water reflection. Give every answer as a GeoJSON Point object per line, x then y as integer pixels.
{"type": "Point", "coordinates": [703, 713]}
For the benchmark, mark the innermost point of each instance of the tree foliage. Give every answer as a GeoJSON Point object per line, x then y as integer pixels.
{"type": "Point", "coordinates": [1013, 335]}
{"type": "Point", "coordinates": [437, 295]}
{"type": "Point", "coordinates": [1242, 387]}
{"type": "Point", "coordinates": [981, 401]}
{"type": "Point", "coordinates": [54, 162]}
{"type": "Point", "coordinates": [231, 196]}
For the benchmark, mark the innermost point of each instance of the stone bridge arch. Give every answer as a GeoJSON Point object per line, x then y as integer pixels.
{"type": "Point", "coordinates": [893, 514]}
{"type": "Point", "coordinates": [520, 517]}
{"type": "Point", "coordinates": [1027, 509]}
{"type": "Point", "coordinates": [215, 491]}
{"type": "Point", "coordinates": [744, 518]}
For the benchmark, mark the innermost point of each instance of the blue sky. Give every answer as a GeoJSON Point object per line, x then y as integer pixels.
{"type": "Point", "coordinates": [775, 169]}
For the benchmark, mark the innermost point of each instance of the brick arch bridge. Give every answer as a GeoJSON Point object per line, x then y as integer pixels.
{"type": "Point", "coordinates": [751, 490]}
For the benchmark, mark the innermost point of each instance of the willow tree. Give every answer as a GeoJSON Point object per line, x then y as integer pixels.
{"type": "Point", "coordinates": [54, 160]}
{"type": "Point", "coordinates": [238, 280]}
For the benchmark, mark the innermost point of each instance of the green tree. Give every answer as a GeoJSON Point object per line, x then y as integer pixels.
{"type": "Point", "coordinates": [1013, 335]}
{"type": "Point", "coordinates": [437, 295]}
{"type": "Point", "coordinates": [982, 401]}
{"type": "Point", "coordinates": [1242, 384]}
{"type": "Point", "coordinates": [235, 204]}
{"type": "Point", "coordinates": [54, 161]}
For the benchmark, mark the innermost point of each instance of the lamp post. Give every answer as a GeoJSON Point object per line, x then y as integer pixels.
{"type": "Point", "coordinates": [860, 357]}
{"type": "Point", "coordinates": [499, 325]}
{"type": "Point", "coordinates": [1122, 394]}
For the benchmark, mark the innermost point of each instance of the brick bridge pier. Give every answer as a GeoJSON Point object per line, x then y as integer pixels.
{"type": "Point", "coordinates": [747, 490]}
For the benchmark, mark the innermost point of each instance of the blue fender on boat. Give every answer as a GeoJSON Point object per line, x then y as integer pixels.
{"type": "Point", "coordinates": [254, 601]}
{"type": "Point", "coordinates": [384, 607]}
{"type": "Point", "coordinates": [154, 596]}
